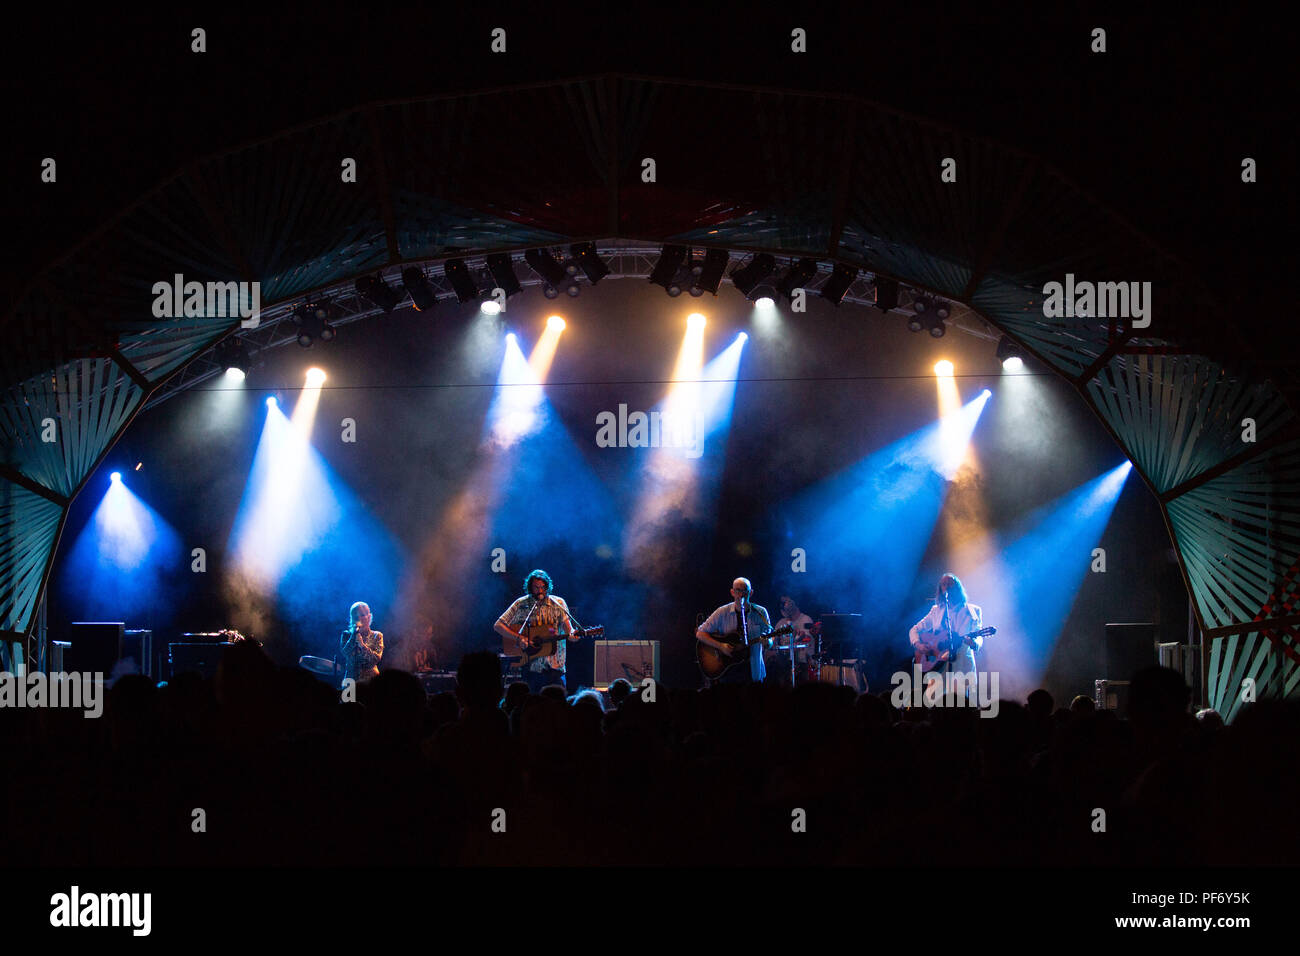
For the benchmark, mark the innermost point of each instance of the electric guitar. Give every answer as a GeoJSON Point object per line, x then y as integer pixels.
{"type": "Point", "coordinates": [538, 640]}
{"type": "Point", "coordinates": [713, 663]}
{"type": "Point", "coordinates": [930, 656]}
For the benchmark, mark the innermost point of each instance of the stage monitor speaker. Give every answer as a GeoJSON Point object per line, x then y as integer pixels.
{"type": "Point", "coordinates": [94, 647]}
{"type": "Point", "coordinates": [631, 660]}
{"type": "Point", "coordinates": [202, 658]}
{"type": "Point", "coordinates": [1129, 648]}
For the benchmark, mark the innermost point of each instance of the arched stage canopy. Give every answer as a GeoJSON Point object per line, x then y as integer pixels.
{"type": "Point", "coordinates": [829, 177]}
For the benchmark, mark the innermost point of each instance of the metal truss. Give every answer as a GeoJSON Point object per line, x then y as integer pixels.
{"type": "Point", "coordinates": [625, 261]}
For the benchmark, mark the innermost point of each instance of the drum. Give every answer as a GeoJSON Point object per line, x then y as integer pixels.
{"type": "Point", "coordinates": [320, 666]}
{"type": "Point", "coordinates": [845, 673]}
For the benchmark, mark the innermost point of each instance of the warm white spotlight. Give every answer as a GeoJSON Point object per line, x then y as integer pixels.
{"type": "Point", "coordinates": [1013, 363]}
{"type": "Point", "coordinates": [695, 321]}
{"type": "Point", "coordinates": [943, 368]}
{"type": "Point", "coordinates": [555, 323]}
{"type": "Point", "coordinates": [315, 377]}
{"type": "Point", "coordinates": [765, 302]}
{"type": "Point", "coordinates": [490, 307]}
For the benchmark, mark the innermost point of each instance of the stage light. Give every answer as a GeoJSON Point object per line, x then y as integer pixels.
{"type": "Point", "coordinates": [887, 295]}
{"type": "Point", "coordinates": [765, 302]}
{"type": "Point", "coordinates": [743, 336]}
{"type": "Point", "coordinates": [457, 273]}
{"type": "Point", "coordinates": [270, 402]}
{"type": "Point", "coordinates": [503, 273]}
{"type": "Point", "coordinates": [695, 321]}
{"type": "Point", "coordinates": [710, 276]}
{"type": "Point", "coordinates": [573, 287]}
{"type": "Point", "coordinates": [490, 306]}
{"type": "Point", "coordinates": [315, 377]}
{"type": "Point", "coordinates": [943, 368]}
{"type": "Point", "coordinates": [755, 271]}
{"type": "Point", "coordinates": [796, 276]}
{"type": "Point", "coordinates": [139, 465]}
{"type": "Point", "coordinates": [310, 320]}
{"type": "Point", "coordinates": [545, 265]}
{"type": "Point", "coordinates": [417, 284]}
{"type": "Point", "coordinates": [510, 337]}
{"type": "Point", "coordinates": [115, 476]}
{"type": "Point", "coordinates": [556, 323]}
{"type": "Point", "coordinates": [233, 354]}
{"type": "Point", "coordinates": [665, 271]}
{"type": "Point", "coordinates": [837, 286]}
{"type": "Point", "coordinates": [379, 292]}
{"type": "Point", "coordinates": [1009, 355]}
{"type": "Point", "coordinates": [930, 314]}
{"type": "Point", "coordinates": [585, 253]}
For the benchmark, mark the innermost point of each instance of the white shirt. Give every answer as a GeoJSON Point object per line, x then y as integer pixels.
{"type": "Point", "coordinates": [963, 620]}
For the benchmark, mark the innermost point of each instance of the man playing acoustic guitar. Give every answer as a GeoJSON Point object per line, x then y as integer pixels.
{"type": "Point", "coordinates": [544, 614]}
{"type": "Point", "coordinates": [726, 620]}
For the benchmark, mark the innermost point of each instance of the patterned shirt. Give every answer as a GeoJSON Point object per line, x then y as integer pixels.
{"type": "Point", "coordinates": [551, 613]}
{"type": "Point", "coordinates": [361, 656]}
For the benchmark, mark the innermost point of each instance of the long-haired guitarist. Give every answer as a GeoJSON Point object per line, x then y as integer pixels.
{"type": "Point", "coordinates": [740, 617]}
{"type": "Point", "coordinates": [947, 625]}
{"type": "Point", "coordinates": [539, 612]}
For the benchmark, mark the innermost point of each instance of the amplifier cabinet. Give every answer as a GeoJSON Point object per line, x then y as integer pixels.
{"type": "Point", "coordinates": [631, 660]}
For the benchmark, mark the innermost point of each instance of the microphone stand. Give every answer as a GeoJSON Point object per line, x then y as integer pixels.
{"type": "Point", "coordinates": [947, 628]}
{"type": "Point", "coordinates": [741, 614]}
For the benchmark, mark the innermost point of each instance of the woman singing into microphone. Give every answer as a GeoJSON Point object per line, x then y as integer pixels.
{"type": "Point", "coordinates": [360, 648]}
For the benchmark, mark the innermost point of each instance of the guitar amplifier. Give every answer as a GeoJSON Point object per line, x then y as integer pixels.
{"type": "Point", "coordinates": [436, 682]}
{"type": "Point", "coordinates": [1112, 695]}
{"type": "Point", "coordinates": [202, 657]}
{"type": "Point", "coordinates": [631, 660]}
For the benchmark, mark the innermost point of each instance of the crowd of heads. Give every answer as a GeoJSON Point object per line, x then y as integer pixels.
{"type": "Point", "coordinates": [286, 773]}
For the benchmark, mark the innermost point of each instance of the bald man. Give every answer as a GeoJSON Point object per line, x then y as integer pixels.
{"type": "Point", "coordinates": [726, 619]}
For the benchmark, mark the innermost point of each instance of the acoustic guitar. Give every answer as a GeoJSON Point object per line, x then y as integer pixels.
{"type": "Point", "coordinates": [930, 656]}
{"type": "Point", "coordinates": [713, 663]}
{"type": "Point", "coordinates": [538, 640]}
